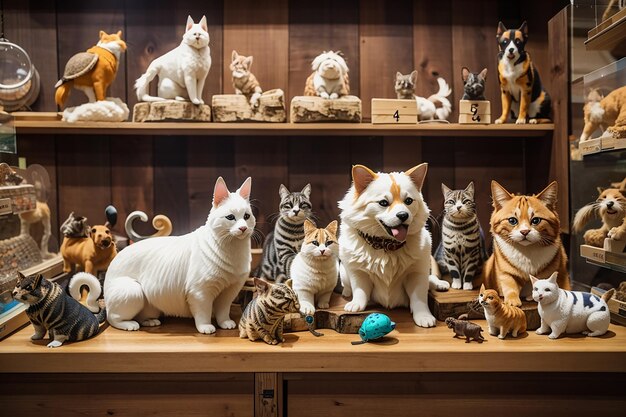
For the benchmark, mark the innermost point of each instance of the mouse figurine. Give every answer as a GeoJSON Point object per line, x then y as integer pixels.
{"type": "Point", "coordinates": [375, 326]}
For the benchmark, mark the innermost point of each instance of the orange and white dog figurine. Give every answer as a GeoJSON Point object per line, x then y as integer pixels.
{"type": "Point", "coordinates": [92, 254]}
{"type": "Point", "coordinates": [93, 71]}
{"type": "Point", "coordinates": [384, 246]}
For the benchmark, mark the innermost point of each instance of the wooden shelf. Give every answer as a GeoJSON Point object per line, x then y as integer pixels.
{"type": "Point", "coordinates": [177, 347]}
{"type": "Point", "coordinates": [24, 127]}
{"type": "Point", "coordinates": [604, 258]}
{"type": "Point", "coordinates": [608, 34]}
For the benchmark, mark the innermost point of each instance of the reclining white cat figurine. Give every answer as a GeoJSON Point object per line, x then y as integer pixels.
{"type": "Point", "coordinates": [183, 70]}
{"type": "Point", "coordinates": [192, 275]}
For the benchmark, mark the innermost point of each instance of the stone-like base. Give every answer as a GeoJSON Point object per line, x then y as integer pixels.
{"type": "Point", "coordinates": [236, 108]}
{"type": "Point", "coordinates": [171, 111]}
{"type": "Point", "coordinates": [305, 109]}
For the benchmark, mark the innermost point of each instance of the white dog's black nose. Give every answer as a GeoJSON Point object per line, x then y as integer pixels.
{"type": "Point", "coordinates": [402, 215]}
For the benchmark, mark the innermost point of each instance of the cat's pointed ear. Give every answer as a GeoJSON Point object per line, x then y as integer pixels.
{"type": "Point", "coordinates": [482, 288]}
{"type": "Point", "coordinates": [524, 29]}
{"type": "Point", "coordinates": [553, 277]}
{"type": "Point", "coordinates": [307, 190]}
{"type": "Point", "coordinates": [483, 74]}
{"type": "Point", "coordinates": [600, 190]}
{"type": "Point", "coordinates": [549, 195]}
{"type": "Point", "coordinates": [248, 61]}
{"type": "Point", "coordinates": [189, 23]}
{"type": "Point", "coordinates": [470, 188]}
{"type": "Point", "coordinates": [501, 29]}
{"type": "Point", "coordinates": [398, 75]}
{"type": "Point", "coordinates": [102, 34]}
{"type": "Point", "coordinates": [332, 227]}
{"type": "Point", "coordinates": [234, 55]}
{"type": "Point", "coordinates": [362, 176]}
{"type": "Point", "coordinates": [283, 191]}
{"type": "Point", "coordinates": [220, 193]}
{"type": "Point", "coordinates": [203, 24]}
{"type": "Point", "coordinates": [289, 283]}
{"type": "Point", "coordinates": [414, 77]}
{"type": "Point", "coordinates": [417, 175]}
{"type": "Point", "coordinates": [20, 276]}
{"type": "Point", "coordinates": [499, 194]}
{"type": "Point", "coordinates": [465, 73]}
{"type": "Point", "coordinates": [533, 279]}
{"type": "Point", "coordinates": [444, 189]}
{"type": "Point", "coordinates": [119, 33]}
{"type": "Point", "coordinates": [245, 188]}
{"type": "Point", "coordinates": [261, 286]}
{"type": "Point", "coordinates": [309, 226]}
{"type": "Point", "coordinates": [38, 280]}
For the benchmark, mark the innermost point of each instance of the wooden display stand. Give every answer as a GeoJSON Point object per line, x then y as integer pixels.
{"type": "Point", "coordinates": [307, 109]}
{"type": "Point", "coordinates": [389, 111]}
{"type": "Point", "coordinates": [236, 108]}
{"type": "Point", "coordinates": [453, 303]}
{"type": "Point", "coordinates": [474, 112]}
{"type": "Point", "coordinates": [171, 110]}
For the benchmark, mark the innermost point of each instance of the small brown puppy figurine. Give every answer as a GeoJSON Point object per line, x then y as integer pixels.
{"type": "Point", "coordinates": [93, 253]}
{"type": "Point", "coordinates": [468, 330]}
{"type": "Point", "coordinates": [502, 318]}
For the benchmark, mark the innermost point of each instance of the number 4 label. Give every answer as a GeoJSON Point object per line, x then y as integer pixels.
{"type": "Point", "coordinates": [396, 116]}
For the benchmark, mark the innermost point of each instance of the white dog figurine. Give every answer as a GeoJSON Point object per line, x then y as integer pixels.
{"type": "Point", "coordinates": [330, 76]}
{"type": "Point", "coordinates": [384, 245]}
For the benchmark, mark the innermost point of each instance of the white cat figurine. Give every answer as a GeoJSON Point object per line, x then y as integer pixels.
{"type": "Point", "coordinates": [183, 70]}
{"type": "Point", "coordinates": [314, 270]}
{"type": "Point", "coordinates": [564, 311]}
{"type": "Point", "coordinates": [192, 275]}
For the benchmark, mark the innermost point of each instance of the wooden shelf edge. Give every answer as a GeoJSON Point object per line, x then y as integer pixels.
{"type": "Point", "coordinates": [607, 37]}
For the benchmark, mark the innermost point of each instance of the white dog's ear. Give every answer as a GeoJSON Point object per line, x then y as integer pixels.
{"type": "Point", "coordinates": [417, 175]}
{"type": "Point", "coordinates": [220, 193]}
{"type": "Point", "coordinates": [362, 176]}
{"type": "Point", "coordinates": [189, 23]}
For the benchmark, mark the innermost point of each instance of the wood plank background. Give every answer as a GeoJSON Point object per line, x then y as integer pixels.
{"type": "Point", "coordinates": [174, 175]}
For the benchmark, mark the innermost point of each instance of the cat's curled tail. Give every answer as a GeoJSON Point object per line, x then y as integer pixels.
{"type": "Point", "coordinates": [160, 222]}
{"type": "Point", "coordinates": [86, 289]}
{"type": "Point", "coordinates": [445, 107]}
{"type": "Point", "coordinates": [142, 84]}
{"type": "Point", "coordinates": [584, 216]}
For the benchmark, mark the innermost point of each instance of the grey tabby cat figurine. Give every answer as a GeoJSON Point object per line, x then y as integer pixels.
{"type": "Point", "coordinates": [473, 84]}
{"type": "Point", "coordinates": [264, 316]}
{"type": "Point", "coordinates": [75, 226]}
{"type": "Point", "coordinates": [52, 310]}
{"type": "Point", "coordinates": [462, 248]}
{"type": "Point", "coordinates": [283, 244]}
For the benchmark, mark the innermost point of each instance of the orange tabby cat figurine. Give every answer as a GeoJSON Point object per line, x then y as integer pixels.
{"type": "Point", "coordinates": [502, 318]}
{"type": "Point", "coordinates": [526, 240]}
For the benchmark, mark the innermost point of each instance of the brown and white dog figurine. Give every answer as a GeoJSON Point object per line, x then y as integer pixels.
{"type": "Point", "coordinates": [329, 78]}
{"type": "Point", "coordinates": [92, 254]}
{"type": "Point", "coordinates": [384, 245]}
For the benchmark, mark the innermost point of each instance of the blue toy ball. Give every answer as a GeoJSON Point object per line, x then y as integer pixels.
{"type": "Point", "coordinates": [375, 326]}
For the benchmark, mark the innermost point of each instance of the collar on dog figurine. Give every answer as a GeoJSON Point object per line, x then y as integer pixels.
{"type": "Point", "coordinates": [378, 242]}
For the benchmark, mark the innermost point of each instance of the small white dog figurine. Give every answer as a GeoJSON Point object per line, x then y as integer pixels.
{"type": "Point", "coordinates": [329, 78]}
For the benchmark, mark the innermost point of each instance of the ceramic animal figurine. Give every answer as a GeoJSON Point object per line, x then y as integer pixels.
{"type": "Point", "coordinates": [607, 113]}
{"type": "Point", "coordinates": [264, 316]}
{"type": "Point", "coordinates": [502, 318]}
{"type": "Point", "coordinates": [92, 72]}
{"type": "Point", "coordinates": [243, 80]}
{"type": "Point", "coordinates": [8, 176]}
{"type": "Point", "coordinates": [182, 71]}
{"type": "Point", "coordinates": [463, 328]}
{"type": "Point", "coordinates": [437, 106]}
{"type": "Point", "coordinates": [521, 91]}
{"type": "Point", "coordinates": [620, 293]}
{"type": "Point", "coordinates": [75, 226]}
{"type": "Point", "coordinates": [374, 327]}
{"type": "Point", "coordinates": [384, 245]}
{"type": "Point", "coordinates": [569, 312]}
{"type": "Point", "coordinates": [194, 275]}
{"type": "Point", "coordinates": [330, 76]}
{"type": "Point", "coordinates": [314, 270]}
{"type": "Point", "coordinates": [92, 254]}
{"type": "Point", "coordinates": [473, 84]}
{"type": "Point", "coordinates": [610, 207]}
{"type": "Point", "coordinates": [160, 222]}
{"type": "Point", "coordinates": [526, 240]}
{"type": "Point", "coordinates": [52, 311]}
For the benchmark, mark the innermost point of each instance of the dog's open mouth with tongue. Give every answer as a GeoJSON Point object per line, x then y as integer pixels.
{"type": "Point", "coordinates": [398, 232]}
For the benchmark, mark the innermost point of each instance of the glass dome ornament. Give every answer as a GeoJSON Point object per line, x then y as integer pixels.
{"type": "Point", "coordinates": [19, 79]}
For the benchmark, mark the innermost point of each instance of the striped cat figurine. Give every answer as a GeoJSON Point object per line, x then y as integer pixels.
{"type": "Point", "coordinates": [264, 316]}
{"type": "Point", "coordinates": [283, 244]}
{"type": "Point", "coordinates": [244, 81]}
{"type": "Point", "coordinates": [501, 318]}
{"type": "Point", "coordinates": [51, 310]}
{"type": "Point", "coordinates": [462, 247]}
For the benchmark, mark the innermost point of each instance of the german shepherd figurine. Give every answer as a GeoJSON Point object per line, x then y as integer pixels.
{"type": "Point", "coordinates": [522, 94]}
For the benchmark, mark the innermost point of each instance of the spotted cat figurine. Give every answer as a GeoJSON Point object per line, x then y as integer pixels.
{"type": "Point", "coordinates": [52, 310]}
{"type": "Point", "coordinates": [264, 316]}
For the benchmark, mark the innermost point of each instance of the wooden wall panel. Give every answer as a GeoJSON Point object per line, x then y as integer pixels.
{"type": "Point", "coordinates": [79, 24]}
{"type": "Point", "coordinates": [386, 46]}
{"type": "Point", "coordinates": [171, 196]}
{"type": "Point", "coordinates": [322, 26]}
{"type": "Point", "coordinates": [35, 30]}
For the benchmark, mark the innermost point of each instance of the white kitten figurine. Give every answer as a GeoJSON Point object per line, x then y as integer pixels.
{"type": "Point", "coordinates": [314, 270]}
{"type": "Point", "coordinates": [192, 275]}
{"type": "Point", "coordinates": [564, 311]}
{"type": "Point", "coordinates": [183, 70]}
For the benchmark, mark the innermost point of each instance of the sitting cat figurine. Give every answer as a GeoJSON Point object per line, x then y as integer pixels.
{"type": "Point", "coordinates": [243, 80]}
{"type": "Point", "coordinates": [564, 311]}
{"type": "Point", "coordinates": [314, 270]}
{"type": "Point", "coordinates": [52, 310]}
{"type": "Point", "coordinates": [192, 275]}
{"type": "Point", "coordinates": [437, 106]}
{"type": "Point", "coordinates": [183, 70]}
{"type": "Point", "coordinates": [502, 318]}
{"type": "Point", "coordinates": [75, 226]}
{"type": "Point", "coordinates": [264, 316]}
{"type": "Point", "coordinates": [473, 84]}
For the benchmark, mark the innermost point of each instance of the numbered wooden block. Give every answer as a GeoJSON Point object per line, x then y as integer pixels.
{"type": "Point", "coordinates": [389, 111]}
{"type": "Point", "coordinates": [474, 112]}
